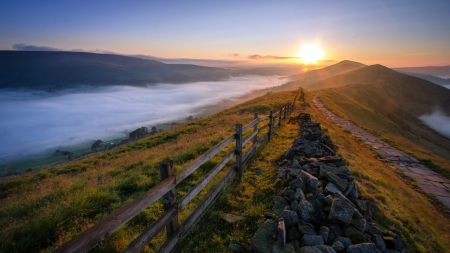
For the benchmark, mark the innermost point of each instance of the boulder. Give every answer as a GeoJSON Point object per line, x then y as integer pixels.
{"type": "Point", "coordinates": [324, 231]}
{"type": "Point", "coordinates": [265, 237]}
{"type": "Point", "coordinates": [379, 242]}
{"type": "Point", "coordinates": [354, 235]}
{"type": "Point", "coordinates": [293, 234]}
{"type": "Point", "coordinates": [234, 247]}
{"type": "Point", "coordinates": [359, 224]}
{"type": "Point", "coordinates": [297, 183]}
{"type": "Point", "coordinates": [337, 246]}
{"type": "Point", "coordinates": [341, 184]}
{"type": "Point", "coordinates": [331, 188]}
{"type": "Point", "coordinates": [312, 240]}
{"type": "Point", "coordinates": [363, 247]}
{"type": "Point", "coordinates": [325, 249]}
{"type": "Point", "coordinates": [304, 211]}
{"type": "Point", "coordinates": [341, 211]}
{"type": "Point", "coordinates": [306, 228]}
{"type": "Point", "coordinates": [344, 240]}
{"type": "Point", "coordinates": [290, 218]}
{"type": "Point", "coordinates": [308, 249]}
{"type": "Point", "coordinates": [288, 248]}
{"type": "Point", "coordinates": [310, 180]}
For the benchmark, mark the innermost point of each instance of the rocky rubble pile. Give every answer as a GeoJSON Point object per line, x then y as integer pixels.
{"type": "Point", "coordinates": [319, 210]}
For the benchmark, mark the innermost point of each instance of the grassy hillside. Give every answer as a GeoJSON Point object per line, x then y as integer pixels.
{"type": "Point", "coordinates": [41, 210]}
{"type": "Point", "coordinates": [388, 104]}
{"type": "Point", "coordinates": [398, 203]}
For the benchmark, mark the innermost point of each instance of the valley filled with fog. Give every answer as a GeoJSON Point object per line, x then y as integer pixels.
{"type": "Point", "coordinates": [37, 121]}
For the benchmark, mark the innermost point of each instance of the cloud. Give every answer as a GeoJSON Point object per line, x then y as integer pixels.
{"type": "Point", "coordinates": [259, 57]}
{"type": "Point", "coordinates": [25, 47]}
{"type": "Point", "coordinates": [438, 121]}
{"type": "Point", "coordinates": [36, 121]}
{"type": "Point", "coordinates": [233, 55]}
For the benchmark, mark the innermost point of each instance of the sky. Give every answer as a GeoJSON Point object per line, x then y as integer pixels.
{"type": "Point", "coordinates": [393, 33]}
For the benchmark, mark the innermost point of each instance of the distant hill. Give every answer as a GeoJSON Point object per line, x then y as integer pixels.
{"type": "Point", "coordinates": [439, 71]}
{"type": "Point", "coordinates": [431, 78]}
{"type": "Point", "coordinates": [54, 70]}
{"type": "Point", "coordinates": [312, 76]}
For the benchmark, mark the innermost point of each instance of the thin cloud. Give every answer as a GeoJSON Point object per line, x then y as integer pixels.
{"type": "Point", "coordinates": [260, 57]}
{"type": "Point", "coordinates": [233, 55]}
{"type": "Point", "coordinates": [25, 47]}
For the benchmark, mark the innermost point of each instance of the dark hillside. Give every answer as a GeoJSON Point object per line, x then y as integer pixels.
{"type": "Point", "coordinates": [54, 70]}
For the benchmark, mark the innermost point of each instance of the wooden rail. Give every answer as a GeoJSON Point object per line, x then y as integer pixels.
{"type": "Point", "coordinates": [166, 189]}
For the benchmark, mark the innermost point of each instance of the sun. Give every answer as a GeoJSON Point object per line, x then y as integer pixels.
{"type": "Point", "coordinates": [310, 54]}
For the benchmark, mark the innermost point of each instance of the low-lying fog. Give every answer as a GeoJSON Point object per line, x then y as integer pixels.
{"type": "Point", "coordinates": [36, 121]}
{"type": "Point", "coordinates": [438, 121]}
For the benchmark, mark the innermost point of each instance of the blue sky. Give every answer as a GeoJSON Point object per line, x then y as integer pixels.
{"type": "Point", "coordinates": [393, 33]}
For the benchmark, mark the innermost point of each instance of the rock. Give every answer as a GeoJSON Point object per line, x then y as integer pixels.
{"type": "Point", "coordinates": [278, 205]}
{"type": "Point", "coordinates": [281, 232]}
{"type": "Point", "coordinates": [282, 173]}
{"type": "Point", "coordinates": [305, 208]}
{"type": "Point", "coordinates": [344, 240]}
{"type": "Point", "coordinates": [341, 211]}
{"type": "Point", "coordinates": [294, 205]}
{"type": "Point", "coordinates": [335, 229]}
{"type": "Point", "coordinates": [290, 218]}
{"type": "Point", "coordinates": [341, 184]}
{"type": "Point", "coordinates": [265, 237]}
{"type": "Point", "coordinates": [231, 218]}
{"type": "Point", "coordinates": [363, 247]}
{"type": "Point", "coordinates": [331, 188]}
{"type": "Point", "coordinates": [234, 247]}
{"type": "Point", "coordinates": [325, 169]}
{"type": "Point", "coordinates": [324, 231]}
{"type": "Point", "coordinates": [325, 249]}
{"type": "Point", "coordinates": [354, 192]}
{"type": "Point", "coordinates": [309, 179]}
{"type": "Point", "coordinates": [379, 242]}
{"type": "Point", "coordinates": [359, 224]}
{"type": "Point", "coordinates": [341, 196]}
{"type": "Point", "coordinates": [374, 230]}
{"type": "Point", "coordinates": [295, 244]}
{"type": "Point", "coordinates": [312, 240]}
{"type": "Point", "coordinates": [354, 235]}
{"type": "Point", "coordinates": [361, 205]}
{"type": "Point", "coordinates": [288, 248]}
{"type": "Point", "coordinates": [293, 234]}
{"type": "Point", "coordinates": [306, 228]}
{"type": "Point", "coordinates": [297, 183]}
{"type": "Point", "coordinates": [299, 195]}
{"type": "Point", "coordinates": [337, 246]}
{"type": "Point", "coordinates": [308, 249]}
{"type": "Point", "coordinates": [328, 199]}
{"type": "Point", "coordinates": [395, 242]}
{"type": "Point", "coordinates": [349, 189]}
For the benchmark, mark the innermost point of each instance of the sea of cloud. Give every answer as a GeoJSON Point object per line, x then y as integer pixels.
{"type": "Point", "coordinates": [438, 121]}
{"type": "Point", "coordinates": [37, 121]}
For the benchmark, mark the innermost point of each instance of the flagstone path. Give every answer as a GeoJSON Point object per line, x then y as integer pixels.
{"type": "Point", "coordinates": [430, 181]}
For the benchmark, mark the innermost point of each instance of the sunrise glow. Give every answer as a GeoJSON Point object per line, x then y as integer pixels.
{"type": "Point", "coordinates": [310, 54]}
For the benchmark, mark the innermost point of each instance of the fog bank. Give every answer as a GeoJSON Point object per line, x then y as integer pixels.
{"type": "Point", "coordinates": [35, 121]}
{"type": "Point", "coordinates": [438, 121]}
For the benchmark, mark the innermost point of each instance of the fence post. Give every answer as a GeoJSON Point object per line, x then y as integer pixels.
{"type": "Point", "coordinates": [238, 152]}
{"type": "Point", "coordinates": [269, 133]}
{"type": "Point", "coordinates": [279, 117]}
{"type": "Point", "coordinates": [169, 200]}
{"type": "Point", "coordinates": [255, 128]}
{"type": "Point", "coordinates": [285, 112]}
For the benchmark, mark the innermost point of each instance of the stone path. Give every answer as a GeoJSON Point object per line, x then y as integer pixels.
{"type": "Point", "coordinates": [430, 181]}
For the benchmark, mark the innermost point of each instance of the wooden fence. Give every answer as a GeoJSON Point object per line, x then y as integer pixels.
{"type": "Point", "coordinates": [166, 189]}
